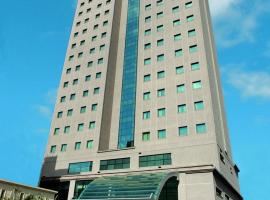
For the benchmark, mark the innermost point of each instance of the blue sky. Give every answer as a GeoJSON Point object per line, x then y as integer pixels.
{"type": "Point", "coordinates": [34, 36]}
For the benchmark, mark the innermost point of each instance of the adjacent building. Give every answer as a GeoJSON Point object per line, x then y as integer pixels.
{"type": "Point", "coordinates": [140, 101]}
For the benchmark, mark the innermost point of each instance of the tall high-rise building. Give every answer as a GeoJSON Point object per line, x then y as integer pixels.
{"type": "Point", "coordinates": [139, 111]}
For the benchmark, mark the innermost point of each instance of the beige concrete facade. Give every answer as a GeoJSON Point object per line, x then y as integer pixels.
{"type": "Point", "coordinates": [204, 160]}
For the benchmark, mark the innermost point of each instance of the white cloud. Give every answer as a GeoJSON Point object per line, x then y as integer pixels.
{"type": "Point", "coordinates": [220, 7]}
{"type": "Point", "coordinates": [44, 110]}
{"type": "Point", "coordinates": [250, 84]}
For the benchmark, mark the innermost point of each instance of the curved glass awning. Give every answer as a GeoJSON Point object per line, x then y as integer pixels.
{"type": "Point", "coordinates": [145, 186]}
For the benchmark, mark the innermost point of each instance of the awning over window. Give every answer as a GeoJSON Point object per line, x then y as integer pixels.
{"type": "Point", "coordinates": [144, 186]}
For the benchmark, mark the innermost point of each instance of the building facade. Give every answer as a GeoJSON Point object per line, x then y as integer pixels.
{"type": "Point", "coordinates": [140, 93]}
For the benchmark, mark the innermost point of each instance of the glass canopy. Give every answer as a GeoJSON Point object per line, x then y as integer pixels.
{"type": "Point", "coordinates": [146, 186]}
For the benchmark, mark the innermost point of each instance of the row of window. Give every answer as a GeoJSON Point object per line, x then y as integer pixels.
{"type": "Point", "coordinates": [83, 109]}
{"type": "Point", "coordinates": [121, 163]}
{"type": "Point", "coordinates": [161, 2]}
{"type": "Point", "coordinates": [175, 22]}
{"type": "Point", "coordinates": [77, 146]}
{"type": "Point", "coordinates": [90, 1]}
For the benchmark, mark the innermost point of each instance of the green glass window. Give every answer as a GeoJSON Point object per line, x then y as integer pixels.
{"type": "Point", "coordinates": [147, 61]}
{"type": "Point", "coordinates": [161, 112]}
{"type": "Point", "coordinates": [181, 88]}
{"type": "Point", "coordinates": [100, 61]}
{"type": "Point", "coordinates": [193, 49]}
{"type": "Point", "coordinates": [65, 85]}
{"type": "Point", "coordinates": [177, 37]}
{"type": "Point", "coordinates": [160, 57]}
{"type": "Point", "coordinates": [63, 99]}
{"type": "Point", "coordinates": [77, 68]}
{"type": "Point", "coordinates": [85, 93]}
{"type": "Point", "coordinates": [190, 18]}
{"type": "Point", "coordinates": [89, 144]}
{"type": "Point", "coordinates": [182, 108]}
{"type": "Point", "coordinates": [72, 96]}
{"type": "Point", "coordinates": [92, 125]}
{"type": "Point", "coordinates": [98, 75]}
{"type": "Point", "coordinates": [178, 53]}
{"type": "Point", "coordinates": [101, 47]}
{"type": "Point", "coordinates": [161, 74]}
{"type": "Point", "coordinates": [83, 109]}
{"type": "Point", "coordinates": [147, 19]}
{"type": "Point", "coordinates": [176, 22]}
{"type": "Point", "coordinates": [147, 32]}
{"type": "Point", "coordinates": [77, 146]}
{"type": "Point", "coordinates": [147, 78]}
{"type": "Point", "coordinates": [148, 7]}
{"type": "Point", "coordinates": [188, 4]}
{"type": "Point", "coordinates": [201, 128]}
{"type": "Point", "coordinates": [105, 23]}
{"type": "Point", "coordinates": [160, 14]}
{"type": "Point", "coordinates": [195, 66]}
{"type": "Point", "coordinates": [161, 92]}
{"type": "Point", "coordinates": [75, 81]}
{"type": "Point", "coordinates": [90, 64]}
{"type": "Point", "coordinates": [191, 33]}
{"type": "Point", "coordinates": [75, 168]}
{"type": "Point", "coordinates": [103, 35]}
{"type": "Point", "coordinates": [71, 58]}
{"type": "Point", "coordinates": [68, 71]}
{"type": "Point", "coordinates": [59, 114]}
{"type": "Point", "coordinates": [175, 9]}
{"type": "Point", "coordinates": [69, 112]}
{"type": "Point", "coordinates": [160, 28]}
{"type": "Point", "coordinates": [64, 148]}
{"type": "Point", "coordinates": [53, 149]}
{"type": "Point", "coordinates": [162, 134]}
{"type": "Point", "coordinates": [197, 85]}
{"type": "Point", "coordinates": [155, 160]}
{"type": "Point", "coordinates": [160, 2]}
{"type": "Point", "coordinates": [146, 115]}
{"type": "Point", "coordinates": [147, 46]}
{"type": "Point", "coordinates": [92, 50]}
{"type": "Point", "coordinates": [146, 136]}
{"type": "Point", "coordinates": [88, 78]}
{"type": "Point", "coordinates": [183, 131]}
{"type": "Point", "coordinates": [81, 43]}
{"type": "Point", "coordinates": [94, 107]}
{"type": "Point", "coordinates": [56, 131]}
{"type": "Point", "coordinates": [67, 129]}
{"type": "Point", "coordinates": [96, 90]}
{"type": "Point", "coordinates": [199, 105]}
{"type": "Point", "coordinates": [160, 42]}
{"type": "Point", "coordinates": [122, 163]}
{"type": "Point", "coordinates": [179, 70]}
{"type": "Point", "coordinates": [146, 96]}
{"type": "Point", "coordinates": [80, 127]}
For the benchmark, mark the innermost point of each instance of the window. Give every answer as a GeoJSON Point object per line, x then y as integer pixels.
{"type": "Point", "coordinates": [161, 112]}
{"type": "Point", "coordinates": [64, 148]}
{"type": "Point", "coordinates": [77, 146]}
{"type": "Point", "coordinates": [148, 7]}
{"type": "Point", "coordinates": [178, 53]}
{"type": "Point", "coordinates": [177, 37]}
{"type": "Point", "coordinates": [160, 14]}
{"type": "Point", "coordinates": [183, 131]}
{"type": "Point", "coordinates": [176, 22]}
{"type": "Point", "coordinates": [147, 46]}
{"type": "Point", "coordinates": [73, 46]}
{"type": "Point", "coordinates": [197, 85]}
{"type": "Point", "coordinates": [147, 19]}
{"type": "Point", "coordinates": [89, 144]}
{"type": "Point", "coordinates": [90, 64]}
{"type": "Point", "coordinates": [201, 128]}
{"type": "Point", "coordinates": [86, 20]}
{"type": "Point", "coordinates": [179, 70]}
{"type": "Point", "coordinates": [147, 61]}
{"type": "Point", "coordinates": [199, 105]}
{"type": "Point", "coordinates": [94, 107]}
{"type": "Point", "coordinates": [160, 42]}
{"type": "Point", "coordinates": [155, 160]}
{"type": "Point", "coordinates": [146, 136]}
{"type": "Point", "coordinates": [83, 109]}
{"type": "Point", "coordinates": [102, 47]}
{"type": "Point", "coordinates": [103, 35]}
{"type": "Point", "coordinates": [191, 33]}
{"type": "Point", "coordinates": [181, 88]}
{"type": "Point", "coordinates": [76, 34]}
{"type": "Point", "coordinates": [56, 131]}
{"type": "Point", "coordinates": [159, 2]}
{"type": "Point", "coordinates": [98, 75]}
{"type": "Point", "coordinates": [193, 48]}
{"type": "Point", "coordinates": [75, 168]}
{"type": "Point", "coordinates": [75, 81]}
{"type": "Point", "coordinates": [84, 31]}
{"type": "Point", "coordinates": [81, 43]}
{"type": "Point", "coordinates": [92, 125]}
{"type": "Point", "coordinates": [190, 18]}
{"type": "Point", "coordinates": [146, 115]}
{"type": "Point", "coordinates": [96, 90]}
{"type": "Point", "coordinates": [85, 93]}
{"type": "Point", "coordinates": [188, 4]}
{"type": "Point", "coordinates": [92, 50]}
{"type": "Point", "coordinates": [160, 57]}
{"type": "Point", "coordinates": [162, 134]}
{"type": "Point", "coordinates": [146, 96]}
{"type": "Point", "coordinates": [77, 68]}
{"type": "Point", "coordinates": [161, 74]}
{"type": "Point", "coordinates": [160, 28]}
{"type": "Point", "coordinates": [195, 66]}
{"type": "Point", "coordinates": [53, 149]}
{"type": "Point", "coordinates": [100, 61]}
{"type": "Point", "coordinates": [80, 127]}
{"type": "Point", "coordinates": [147, 78]}
{"type": "Point", "coordinates": [59, 114]}
{"type": "Point", "coordinates": [69, 112]}
{"type": "Point", "coordinates": [122, 163]}
{"type": "Point", "coordinates": [65, 84]}
{"type": "Point", "coordinates": [67, 129]}
{"type": "Point", "coordinates": [68, 71]}
{"type": "Point", "coordinates": [63, 99]}
{"type": "Point", "coordinates": [161, 92]}
{"type": "Point", "coordinates": [147, 32]}
{"type": "Point", "coordinates": [175, 9]}
{"type": "Point", "coordinates": [88, 78]}
{"type": "Point", "coordinates": [182, 108]}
